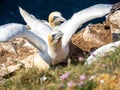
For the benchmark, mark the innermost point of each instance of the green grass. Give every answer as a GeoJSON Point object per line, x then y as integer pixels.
{"type": "Point", "coordinates": [30, 79]}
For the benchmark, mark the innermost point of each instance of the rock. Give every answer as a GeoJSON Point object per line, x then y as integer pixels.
{"type": "Point", "coordinates": [7, 47]}
{"type": "Point", "coordinates": [92, 36]}
{"type": "Point", "coordinates": [26, 56]}
{"type": "Point", "coordinates": [113, 20]}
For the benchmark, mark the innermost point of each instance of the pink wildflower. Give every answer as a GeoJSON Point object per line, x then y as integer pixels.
{"type": "Point", "coordinates": [71, 84]}
{"type": "Point", "coordinates": [65, 76]}
{"type": "Point", "coordinates": [81, 83]}
{"type": "Point", "coordinates": [82, 77]}
{"type": "Point", "coordinates": [81, 59]}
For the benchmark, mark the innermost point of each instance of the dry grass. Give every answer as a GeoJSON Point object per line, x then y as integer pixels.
{"type": "Point", "coordinates": [103, 74]}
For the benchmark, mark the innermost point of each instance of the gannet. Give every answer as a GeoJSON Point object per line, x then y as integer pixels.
{"type": "Point", "coordinates": [102, 51]}
{"type": "Point", "coordinates": [40, 32]}
{"type": "Point", "coordinates": [55, 18]}
{"type": "Point", "coordinates": [48, 49]}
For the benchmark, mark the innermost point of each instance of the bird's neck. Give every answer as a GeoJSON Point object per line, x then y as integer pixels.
{"type": "Point", "coordinates": [55, 47]}
{"type": "Point", "coordinates": [54, 52]}
{"type": "Point", "coordinates": [52, 24]}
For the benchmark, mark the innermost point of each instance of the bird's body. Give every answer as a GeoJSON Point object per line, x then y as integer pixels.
{"type": "Point", "coordinates": [54, 44]}
{"type": "Point", "coordinates": [48, 50]}
{"type": "Point", "coordinates": [102, 51]}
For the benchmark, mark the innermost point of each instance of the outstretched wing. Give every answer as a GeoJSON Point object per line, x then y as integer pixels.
{"type": "Point", "coordinates": [102, 51]}
{"type": "Point", "coordinates": [10, 31]}
{"type": "Point", "coordinates": [35, 24]}
{"type": "Point", "coordinates": [69, 27]}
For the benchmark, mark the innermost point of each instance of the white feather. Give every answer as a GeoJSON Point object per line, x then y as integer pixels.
{"type": "Point", "coordinates": [70, 27]}
{"type": "Point", "coordinates": [37, 25]}
{"type": "Point", "coordinates": [102, 51]}
{"type": "Point", "coordinates": [38, 36]}
{"type": "Point", "coordinates": [13, 30]}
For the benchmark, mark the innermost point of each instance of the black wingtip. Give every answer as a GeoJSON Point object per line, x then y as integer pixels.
{"type": "Point", "coordinates": [115, 7]}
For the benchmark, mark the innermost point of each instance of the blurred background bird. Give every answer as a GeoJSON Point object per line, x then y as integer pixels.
{"type": "Point", "coordinates": [102, 51]}
{"type": "Point", "coordinates": [54, 19]}
{"type": "Point", "coordinates": [42, 8]}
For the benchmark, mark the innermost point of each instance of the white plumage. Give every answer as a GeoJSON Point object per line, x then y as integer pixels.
{"type": "Point", "coordinates": [55, 18]}
{"type": "Point", "coordinates": [102, 51]}
{"type": "Point", "coordinates": [41, 35]}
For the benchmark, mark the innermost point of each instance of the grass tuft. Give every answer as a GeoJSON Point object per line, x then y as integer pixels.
{"type": "Point", "coordinates": [103, 74]}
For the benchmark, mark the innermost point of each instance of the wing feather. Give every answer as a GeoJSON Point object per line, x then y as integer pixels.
{"type": "Point", "coordinates": [41, 29]}
{"type": "Point", "coordinates": [102, 51]}
{"type": "Point", "coordinates": [70, 27]}
{"type": "Point", "coordinates": [11, 31]}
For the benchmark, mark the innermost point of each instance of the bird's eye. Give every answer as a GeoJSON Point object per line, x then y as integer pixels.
{"type": "Point", "coordinates": [53, 35]}
{"type": "Point", "coordinates": [55, 17]}
{"type": "Point", "coordinates": [61, 22]}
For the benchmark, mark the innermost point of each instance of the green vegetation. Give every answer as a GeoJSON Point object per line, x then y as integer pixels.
{"type": "Point", "coordinates": [70, 77]}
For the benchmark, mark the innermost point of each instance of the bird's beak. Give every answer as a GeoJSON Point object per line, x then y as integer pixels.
{"type": "Point", "coordinates": [58, 36]}
{"type": "Point", "coordinates": [60, 19]}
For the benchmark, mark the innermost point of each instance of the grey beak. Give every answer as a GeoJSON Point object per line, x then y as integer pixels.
{"type": "Point", "coordinates": [59, 19]}
{"type": "Point", "coordinates": [57, 36]}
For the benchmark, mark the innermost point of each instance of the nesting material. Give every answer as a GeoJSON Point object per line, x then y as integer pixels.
{"type": "Point", "coordinates": [25, 56]}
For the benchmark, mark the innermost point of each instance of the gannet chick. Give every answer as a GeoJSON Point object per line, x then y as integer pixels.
{"type": "Point", "coordinates": [55, 18]}
{"type": "Point", "coordinates": [102, 51]}
{"type": "Point", "coordinates": [68, 28]}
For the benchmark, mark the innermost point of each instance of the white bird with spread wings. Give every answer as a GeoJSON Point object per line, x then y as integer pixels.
{"type": "Point", "coordinates": [53, 45]}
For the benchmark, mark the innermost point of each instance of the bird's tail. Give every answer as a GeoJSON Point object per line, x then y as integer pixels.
{"type": "Point", "coordinates": [29, 18]}
{"type": "Point", "coordinates": [115, 7]}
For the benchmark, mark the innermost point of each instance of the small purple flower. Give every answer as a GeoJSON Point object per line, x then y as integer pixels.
{"type": "Point", "coordinates": [65, 76]}
{"type": "Point", "coordinates": [82, 77]}
{"type": "Point", "coordinates": [81, 59]}
{"type": "Point", "coordinates": [81, 83]}
{"type": "Point", "coordinates": [70, 84]}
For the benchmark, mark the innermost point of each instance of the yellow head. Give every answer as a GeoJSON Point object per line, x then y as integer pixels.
{"type": "Point", "coordinates": [54, 39]}
{"type": "Point", "coordinates": [55, 19]}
